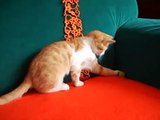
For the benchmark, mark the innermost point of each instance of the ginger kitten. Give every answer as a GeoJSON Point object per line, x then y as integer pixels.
{"type": "Point", "coordinates": [48, 68]}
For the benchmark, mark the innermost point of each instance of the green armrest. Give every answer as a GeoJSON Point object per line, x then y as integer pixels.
{"type": "Point", "coordinates": [137, 50]}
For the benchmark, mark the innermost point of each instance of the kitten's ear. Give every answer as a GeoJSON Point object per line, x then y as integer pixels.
{"type": "Point", "coordinates": [111, 41]}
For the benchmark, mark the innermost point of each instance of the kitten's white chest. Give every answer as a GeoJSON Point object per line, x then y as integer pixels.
{"type": "Point", "coordinates": [83, 58]}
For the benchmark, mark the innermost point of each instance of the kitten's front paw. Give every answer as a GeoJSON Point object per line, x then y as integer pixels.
{"type": "Point", "coordinates": [121, 73]}
{"type": "Point", "coordinates": [79, 83]}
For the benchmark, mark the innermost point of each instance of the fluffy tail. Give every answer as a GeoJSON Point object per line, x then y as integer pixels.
{"type": "Point", "coordinates": [17, 93]}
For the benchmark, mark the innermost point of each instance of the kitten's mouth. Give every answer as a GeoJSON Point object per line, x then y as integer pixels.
{"type": "Point", "coordinates": [98, 54]}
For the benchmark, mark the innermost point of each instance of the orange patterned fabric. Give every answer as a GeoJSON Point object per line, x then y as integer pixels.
{"type": "Point", "coordinates": [73, 26]}
{"type": "Point", "coordinates": [85, 74]}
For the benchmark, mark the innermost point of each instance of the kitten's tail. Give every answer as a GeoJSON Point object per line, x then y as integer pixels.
{"type": "Point", "coordinates": [17, 93]}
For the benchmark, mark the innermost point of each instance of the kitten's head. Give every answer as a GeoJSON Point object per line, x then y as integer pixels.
{"type": "Point", "coordinates": [100, 42]}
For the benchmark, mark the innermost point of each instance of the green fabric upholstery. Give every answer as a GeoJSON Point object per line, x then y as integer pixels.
{"type": "Point", "coordinates": [27, 26]}
{"type": "Point", "coordinates": [137, 50]}
{"type": "Point", "coordinates": [106, 15]}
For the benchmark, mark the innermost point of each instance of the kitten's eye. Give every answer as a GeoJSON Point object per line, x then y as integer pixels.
{"type": "Point", "coordinates": [97, 43]}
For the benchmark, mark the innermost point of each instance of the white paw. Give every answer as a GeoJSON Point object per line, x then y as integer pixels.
{"type": "Point", "coordinates": [65, 86]}
{"type": "Point", "coordinates": [79, 83]}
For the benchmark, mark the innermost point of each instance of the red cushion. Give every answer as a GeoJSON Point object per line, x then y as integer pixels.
{"type": "Point", "coordinates": [101, 98]}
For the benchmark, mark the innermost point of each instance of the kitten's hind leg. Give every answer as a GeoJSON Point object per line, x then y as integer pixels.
{"type": "Point", "coordinates": [62, 86]}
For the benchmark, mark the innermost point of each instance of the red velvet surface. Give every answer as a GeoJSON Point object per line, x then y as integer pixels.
{"type": "Point", "coordinates": [101, 98]}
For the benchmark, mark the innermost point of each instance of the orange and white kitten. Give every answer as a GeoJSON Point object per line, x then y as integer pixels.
{"type": "Point", "coordinates": [48, 68]}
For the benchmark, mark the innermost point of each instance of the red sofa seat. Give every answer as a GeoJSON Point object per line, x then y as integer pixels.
{"type": "Point", "coordinates": [101, 98]}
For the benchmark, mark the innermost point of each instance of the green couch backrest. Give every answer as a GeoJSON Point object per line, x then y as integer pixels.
{"type": "Point", "coordinates": [28, 25]}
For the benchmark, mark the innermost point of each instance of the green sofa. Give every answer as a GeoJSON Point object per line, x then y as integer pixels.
{"type": "Point", "coordinates": [28, 25]}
